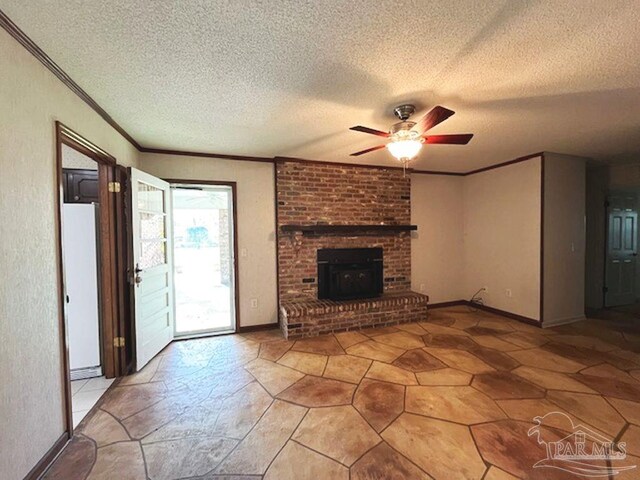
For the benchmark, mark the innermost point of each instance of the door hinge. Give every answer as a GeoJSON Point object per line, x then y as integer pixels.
{"type": "Point", "coordinates": [118, 342]}
{"type": "Point", "coordinates": [114, 187]}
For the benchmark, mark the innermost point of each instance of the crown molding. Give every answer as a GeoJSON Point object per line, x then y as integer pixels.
{"type": "Point", "coordinates": [338, 164]}
{"type": "Point", "coordinates": [222, 156]}
{"type": "Point", "coordinates": [438, 172]}
{"type": "Point", "coordinates": [506, 164]}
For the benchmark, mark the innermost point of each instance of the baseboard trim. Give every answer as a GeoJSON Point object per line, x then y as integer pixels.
{"type": "Point", "coordinates": [257, 328]}
{"type": "Point", "coordinates": [562, 321]}
{"type": "Point", "coordinates": [504, 313]}
{"type": "Point", "coordinates": [453, 303]}
{"type": "Point", "coordinates": [486, 308]}
{"type": "Point", "coordinates": [45, 462]}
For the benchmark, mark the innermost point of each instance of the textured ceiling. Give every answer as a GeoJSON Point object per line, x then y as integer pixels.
{"type": "Point", "coordinates": [288, 78]}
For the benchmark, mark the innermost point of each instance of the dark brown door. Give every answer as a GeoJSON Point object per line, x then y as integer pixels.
{"type": "Point", "coordinates": [80, 186]}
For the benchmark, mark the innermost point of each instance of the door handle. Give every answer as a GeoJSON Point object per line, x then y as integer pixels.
{"type": "Point", "coordinates": [137, 279]}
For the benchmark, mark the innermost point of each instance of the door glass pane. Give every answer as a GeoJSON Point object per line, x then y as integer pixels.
{"type": "Point", "coordinates": [150, 198]}
{"type": "Point", "coordinates": [203, 246]}
{"type": "Point", "coordinates": [152, 226]}
{"type": "Point", "coordinates": [152, 253]}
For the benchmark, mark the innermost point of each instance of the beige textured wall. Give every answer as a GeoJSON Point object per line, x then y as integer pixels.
{"type": "Point", "coordinates": [437, 247]}
{"type": "Point", "coordinates": [502, 236]}
{"type": "Point", "coordinates": [623, 176]}
{"type": "Point", "coordinates": [31, 401]}
{"type": "Point", "coordinates": [72, 158]}
{"type": "Point", "coordinates": [564, 238]}
{"type": "Point", "coordinates": [256, 223]}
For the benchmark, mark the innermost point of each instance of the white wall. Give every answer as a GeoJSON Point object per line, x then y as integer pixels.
{"type": "Point", "coordinates": [31, 397]}
{"type": "Point", "coordinates": [502, 236]}
{"type": "Point", "coordinates": [437, 247]}
{"type": "Point", "coordinates": [256, 223]}
{"type": "Point", "coordinates": [564, 238]}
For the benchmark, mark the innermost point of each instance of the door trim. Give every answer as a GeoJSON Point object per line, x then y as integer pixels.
{"type": "Point", "coordinates": [234, 207]}
{"type": "Point", "coordinates": [108, 266]}
{"type": "Point", "coordinates": [124, 254]}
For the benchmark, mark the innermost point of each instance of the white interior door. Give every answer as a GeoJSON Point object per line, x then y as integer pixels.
{"type": "Point", "coordinates": [152, 265]}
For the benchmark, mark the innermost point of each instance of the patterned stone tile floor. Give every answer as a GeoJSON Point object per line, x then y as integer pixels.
{"type": "Point", "coordinates": [452, 397]}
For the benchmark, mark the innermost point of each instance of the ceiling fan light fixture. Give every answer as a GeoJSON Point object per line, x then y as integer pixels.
{"type": "Point", "coordinates": [405, 145]}
{"type": "Point", "coordinates": [406, 137]}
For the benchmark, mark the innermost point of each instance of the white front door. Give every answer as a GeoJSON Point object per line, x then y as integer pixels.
{"type": "Point", "coordinates": [152, 265]}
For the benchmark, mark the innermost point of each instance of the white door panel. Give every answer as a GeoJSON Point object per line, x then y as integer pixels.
{"type": "Point", "coordinates": [81, 283]}
{"type": "Point", "coordinates": [152, 264]}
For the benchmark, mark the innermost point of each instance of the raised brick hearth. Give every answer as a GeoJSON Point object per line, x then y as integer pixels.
{"type": "Point", "coordinates": [325, 194]}
{"type": "Point", "coordinates": [300, 318]}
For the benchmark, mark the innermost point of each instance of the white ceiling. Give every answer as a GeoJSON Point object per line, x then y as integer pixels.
{"type": "Point", "coordinates": [289, 78]}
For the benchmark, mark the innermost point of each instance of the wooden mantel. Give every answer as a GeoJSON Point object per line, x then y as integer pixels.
{"type": "Point", "coordinates": [346, 229]}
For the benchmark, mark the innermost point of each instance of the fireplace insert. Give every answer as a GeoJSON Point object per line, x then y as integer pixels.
{"type": "Point", "coordinates": [349, 273]}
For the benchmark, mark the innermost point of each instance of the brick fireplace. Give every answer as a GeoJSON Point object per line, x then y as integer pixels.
{"type": "Point", "coordinates": [319, 194]}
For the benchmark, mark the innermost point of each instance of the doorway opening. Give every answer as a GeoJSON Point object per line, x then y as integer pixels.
{"type": "Point", "coordinates": [83, 279]}
{"type": "Point", "coordinates": [622, 250]}
{"type": "Point", "coordinates": [92, 297]}
{"type": "Point", "coordinates": [204, 244]}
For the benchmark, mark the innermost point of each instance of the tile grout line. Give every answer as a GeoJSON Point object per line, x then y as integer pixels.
{"type": "Point", "coordinates": [289, 439]}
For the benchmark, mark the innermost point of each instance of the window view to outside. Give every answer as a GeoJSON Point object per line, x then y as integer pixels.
{"type": "Point", "coordinates": [202, 233]}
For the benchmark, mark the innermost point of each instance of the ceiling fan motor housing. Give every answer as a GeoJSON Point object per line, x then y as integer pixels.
{"type": "Point", "coordinates": [403, 112]}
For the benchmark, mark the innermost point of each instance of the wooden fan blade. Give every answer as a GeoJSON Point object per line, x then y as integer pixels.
{"type": "Point", "coordinates": [372, 131]}
{"type": "Point", "coordinates": [459, 139]}
{"type": "Point", "coordinates": [435, 116]}
{"type": "Point", "coordinates": [372, 149]}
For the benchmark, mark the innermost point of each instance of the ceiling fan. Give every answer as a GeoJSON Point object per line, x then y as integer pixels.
{"type": "Point", "coordinates": [407, 138]}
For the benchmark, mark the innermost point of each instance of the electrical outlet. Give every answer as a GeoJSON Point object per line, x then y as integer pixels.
{"type": "Point", "coordinates": [508, 293]}
{"type": "Point", "coordinates": [423, 287]}
{"type": "Point", "coordinates": [254, 303]}
{"type": "Point", "coordinates": [243, 252]}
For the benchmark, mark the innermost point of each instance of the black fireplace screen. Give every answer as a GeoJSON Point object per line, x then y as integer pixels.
{"type": "Point", "coordinates": [350, 273]}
